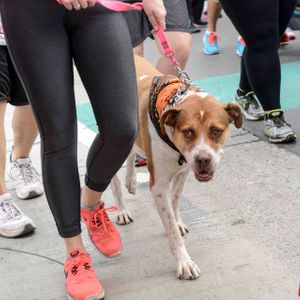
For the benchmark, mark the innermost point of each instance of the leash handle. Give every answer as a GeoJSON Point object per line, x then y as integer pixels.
{"type": "Point", "coordinates": [170, 54]}
{"type": "Point", "coordinates": [117, 5]}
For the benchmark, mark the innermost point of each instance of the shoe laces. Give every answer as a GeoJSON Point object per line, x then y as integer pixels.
{"type": "Point", "coordinates": [27, 173]}
{"type": "Point", "coordinates": [101, 221]}
{"type": "Point", "coordinates": [251, 100]}
{"type": "Point", "coordinates": [9, 209]}
{"type": "Point", "coordinates": [212, 38]}
{"type": "Point", "coordinates": [278, 120]}
{"type": "Point", "coordinates": [80, 265]}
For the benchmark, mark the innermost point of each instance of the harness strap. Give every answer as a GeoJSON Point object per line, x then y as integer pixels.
{"type": "Point", "coordinates": [159, 82]}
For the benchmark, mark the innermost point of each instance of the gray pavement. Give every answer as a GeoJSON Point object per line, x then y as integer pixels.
{"type": "Point", "coordinates": [244, 226]}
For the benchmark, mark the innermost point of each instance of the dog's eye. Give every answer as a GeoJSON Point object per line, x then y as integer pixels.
{"type": "Point", "coordinates": [188, 133]}
{"type": "Point", "coordinates": [216, 132]}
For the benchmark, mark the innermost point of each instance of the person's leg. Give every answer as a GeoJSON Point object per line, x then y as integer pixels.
{"type": "Point", "coordinates": [13, 222]}
{"type": "Point", "coordinates": [3, 189]}
{"type": "Point", "coordinates": [285, 12]}
{"type": "Point", "coordinates": [47, 73]}
{"type": "Point", "coordinates": [139, 50]}
{"type": "Point", "coordinates": [46, 68]}
{"type": "Point", "coordinates": [112, 93]}
{"type": "Point", "coordinates": [214, 9]}
{"type": "Point", "coordinates": [260, 29]}
{"type": "Point", "coordinates": [210, 39]}
{"type": "Point", "coordinates": [25, 131]}
{"type": "Point", "coordinates": [286, 9]}
{"type": "Point", "coordinates": [181, 43]}
{"type": "Point", "coordinates": [178, 34]}
{"type": "Point", "coordinates": [197, 8]}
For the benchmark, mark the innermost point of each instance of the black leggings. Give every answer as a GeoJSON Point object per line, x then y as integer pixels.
{"type": "Point", "coordinates": [260, 23]}
{"type": "Point", "coordinates": [43, 39]}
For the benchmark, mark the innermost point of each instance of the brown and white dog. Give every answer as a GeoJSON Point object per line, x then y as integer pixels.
{"type": "Point", "coordinates": [198, 125]}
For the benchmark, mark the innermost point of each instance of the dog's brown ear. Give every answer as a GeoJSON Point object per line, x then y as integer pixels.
{"type": "Point", "coordinates": [234, 114]}
{"type": "Point", "coordinates": [169, 118]}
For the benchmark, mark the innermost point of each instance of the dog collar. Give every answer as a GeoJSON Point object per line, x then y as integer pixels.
{"type": "Point", "coordinates": [167, 92]}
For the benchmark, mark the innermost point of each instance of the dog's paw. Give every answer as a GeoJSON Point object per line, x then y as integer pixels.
{"type": "Point", "coordinates": [131, 185]}
{"type": "Point", "coordinates": [187, 269]}
{"type": "Point", "coordinates": [182, 228]}
{"type": "Point", "coordinates": [124, 217]}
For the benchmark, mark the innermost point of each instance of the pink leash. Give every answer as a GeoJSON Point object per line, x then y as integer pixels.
{"type": "Point", "coordinates": [170, 54]}
{"type": "Point", "coordinates": [120, 6]}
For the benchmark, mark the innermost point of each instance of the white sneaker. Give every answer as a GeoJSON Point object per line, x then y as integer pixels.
{"type": "Point", "coordinates": [13, 222]}
{"type": "Point", "coordinates": [28, 180]}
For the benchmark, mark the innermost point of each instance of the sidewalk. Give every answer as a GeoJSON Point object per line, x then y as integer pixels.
{"type": "Point", "coordinates": [244, 229]}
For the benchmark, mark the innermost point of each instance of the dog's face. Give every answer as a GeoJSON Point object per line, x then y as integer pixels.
{"type": "Point", "coordinates": [199, 128]}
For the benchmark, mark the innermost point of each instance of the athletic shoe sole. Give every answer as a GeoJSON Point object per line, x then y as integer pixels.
{"type": "Point", "coordinates": [211, 53]}
{"type": "Point", "coordinates": [92, 297]}
{"type": "Point", "coordinates": [27, 229]}
{"type": "Point", "coordinates": [288, 139]}
{"type": "Point", "coordinates": [247, 116]}
{"type": "Point", "coordinates": [29, 195]}
{"type": "Point", "coordinates": [238, 53]}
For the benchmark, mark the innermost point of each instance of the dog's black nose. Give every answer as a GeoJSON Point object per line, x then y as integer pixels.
{"type": "Point", "coordinates": [203, 161]}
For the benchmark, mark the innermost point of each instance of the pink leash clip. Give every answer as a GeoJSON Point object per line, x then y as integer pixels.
{"type": "Point", "coordinates": [169, 53]}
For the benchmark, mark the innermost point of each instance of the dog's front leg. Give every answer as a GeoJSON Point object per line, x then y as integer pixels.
{"type": "Point", "coordinates": [130, 179]}
{"type": "Point", "coordinates": [186, 268]}
{"type": "Point", "coordinates": [124, 217]}
{"type": "Point", "coordinates": [177, 187]}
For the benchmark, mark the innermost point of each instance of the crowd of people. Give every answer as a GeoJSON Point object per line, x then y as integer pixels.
{"type": "Point", "coordinates": [67, 31]}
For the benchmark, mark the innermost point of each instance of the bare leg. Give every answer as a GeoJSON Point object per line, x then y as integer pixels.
{"type": "Point", "coordinates": [181, 43]}
{"type": "Point", "coordinates": [139, 50]}
{"type": "Point", "coordinates": [74, 243]}
{"type": "Point", "coordinates": [25, 131]}
{"type": "Point", "coordinates": [213, 10]}
{"type": "Point", "coordinates": [90, 198]}
{"type": "Point", "coordinates": [3, 189]}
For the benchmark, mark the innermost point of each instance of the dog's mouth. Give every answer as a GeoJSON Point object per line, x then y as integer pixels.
{"type": "Point", "coordinates": [204, 176]}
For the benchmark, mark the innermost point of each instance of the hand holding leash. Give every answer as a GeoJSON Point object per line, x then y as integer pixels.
{"type": "Point", "coordinates": [156, 13]}
{"type": "Point", "coordinates": [77, 4]}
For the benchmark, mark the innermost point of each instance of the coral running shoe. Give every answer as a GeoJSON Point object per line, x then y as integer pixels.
{"type": "Point", "coordinates": [81, 279]}
{"type": "Point", "coordinates": [210, 43]}
{"type": "Point", "coordinates": [102, 231]}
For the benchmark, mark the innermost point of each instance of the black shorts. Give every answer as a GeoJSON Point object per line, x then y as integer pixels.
{"type": "Point", "coordinates": [11, 89]}
{"type": "Point", "coordinates": [177, 20]}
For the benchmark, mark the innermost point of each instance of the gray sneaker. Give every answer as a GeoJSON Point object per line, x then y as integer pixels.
{"type": "Point", "coordinates": [27, 179]}
{"type": "Point", "coordinates": [251, 108]}
{"type": "Point", "coordinates": [13, 222]}
{"type": "Point", "coordinates": [276, 128]}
